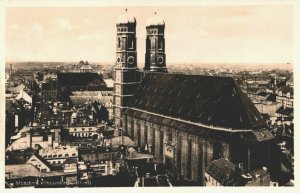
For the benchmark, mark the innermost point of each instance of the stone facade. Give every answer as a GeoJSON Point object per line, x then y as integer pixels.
{"type": "Point", "coordinates": [188, 154]}
{"type": "Point", "coordinates": [191, 154]}
{"type": "Point", "coordinates": [126, 73]}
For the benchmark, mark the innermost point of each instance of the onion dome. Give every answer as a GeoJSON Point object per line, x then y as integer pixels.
{"type": "Point", "coordinates": [126, 19]}
{"type": "Point", "coordinates": [155, 21]}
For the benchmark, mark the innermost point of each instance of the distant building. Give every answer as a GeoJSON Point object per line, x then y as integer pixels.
{"type": "Point", "coordinates": [27, 157]}
{"type": "Point", "coordinates": [59, 155]}
{"type": "Point", "coordinates": [104, 168]}
{"type": "Point", "coordinates": [49, 77]}
{"type": "Point", "coordinates": [285, 96]}
{"type": "Point", "coordinates": [86, 67]}
{"type": "Point", "coordinates": [49, 90]}
{"type": "Point", "coordinates": [81, 97]}
{"type": "Point", "coordinates": [99, 154]}
{"type": "Point", "coordinates": [24, 97]}
{"type": "Point", "coordinates": [221, 172]}
{"type": "Point", "coordinates": [83, 131]}
{"type": "Point", "coordinates": [74, 81]}
{"type": "Point", "coordinates": [70, 165]}
{"type": "Point", "coordinates": [19, 175]}
{"type": "Point", "coordinates": [31, 140]}
{"type": "Point", "coordinates": [39, 163]}
{"type": "Point", "coordinates": [290, 82]}
{"type": "Point", "coordinates": [285, 112]}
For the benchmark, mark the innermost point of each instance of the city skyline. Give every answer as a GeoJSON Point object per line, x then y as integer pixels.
{"type": "Point", "coordinates": [72, 34]}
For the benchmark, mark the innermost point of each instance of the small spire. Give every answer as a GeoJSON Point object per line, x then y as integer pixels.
{"type": "Point", "coordinates": [126, 10]}
{"type": "Point", "coordinates": [155, 13]}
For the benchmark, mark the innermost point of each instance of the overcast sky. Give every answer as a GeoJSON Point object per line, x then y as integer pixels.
{"type": "Point", "coordinates": [198, 34]}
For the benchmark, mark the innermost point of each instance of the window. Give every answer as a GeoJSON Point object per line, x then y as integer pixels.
{"type": "Point", "coordinates": [145, 133]}
{"type": "Point", "coordinates": [43, 170]}
{"type": "Point", "coordinates": [170, 136]}
{"type": "Point", "coordinates": [131, 42]}
{"type": "Point", "coordinates": [119, 43]}
{"type": "Point", "coordinates": [160, 45]}
{"type": "Point", "coordinates": [123, 45]}
{"type": "Point", "coordinates": [217, 150]}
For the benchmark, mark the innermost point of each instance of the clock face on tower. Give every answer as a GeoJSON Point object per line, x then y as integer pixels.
{"type": "Point", "coordinates": [130, 60]}
{"type": "Point", "coordinates": [118, 60]}
{"type": "Point", "coordinates": [160, 59]}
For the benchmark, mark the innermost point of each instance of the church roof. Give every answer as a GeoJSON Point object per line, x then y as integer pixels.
{"type": "Point", "coordinates": [210, 101]}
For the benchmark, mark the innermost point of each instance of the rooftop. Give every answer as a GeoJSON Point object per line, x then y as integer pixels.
{"type": "Point", "coordinates": [206, 100]}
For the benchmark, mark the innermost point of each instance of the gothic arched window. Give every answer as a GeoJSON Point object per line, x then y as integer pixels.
{"type": "Point", "coordinates": [131, 44]}
{"type": "Point", "coordinates": [217, 150]}
{"type": "Point", "coordinates": [119, 43]}
{"type": "Point", "coordinates": [160, 45]}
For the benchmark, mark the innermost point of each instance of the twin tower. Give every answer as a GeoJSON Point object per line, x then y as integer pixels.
{"type": "Point", "coordinates": [127, 76]}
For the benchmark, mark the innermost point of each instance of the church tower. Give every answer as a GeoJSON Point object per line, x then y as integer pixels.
{"type": "Point", "coordinates": [155, 57]}
{"type": "Point", "coordinates": [126, 72]}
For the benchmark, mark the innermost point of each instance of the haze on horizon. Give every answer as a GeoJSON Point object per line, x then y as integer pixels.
{"type": "Point", "coordinates": [199, 34]}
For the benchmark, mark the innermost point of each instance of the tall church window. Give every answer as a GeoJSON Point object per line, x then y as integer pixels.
{"type": "Point", "coordinates": [152, 44]}
{"type": "Point", "coordinates": [148, 43]}
{"type": "Point", "coordinates": [160, 45]}
{"type": "Point", "coordinates": [170, 137]}
{"type": "Point", "coordinates": [131, 42]}
{"type": "Point", "coordinates": [119, 42]}
{"type": "Point", "coordinates": [217, 150]}
{"type": "Point", "coordinates": [179, 146]}
{"type": "Point", "coordinates": [146, 133]}
{"type": "Point", "coordinates": [132, 129]}
{"type": "Point", "coordinates": [153, 140]}
{"type": "Point", "coordinates": [139, 134]}
{"type": "Point", "coordinates": [189, 161]}
{"type": "Point", "coordinates": [124, 44]}
{"type": "Point", "coordinates": [161, 142]}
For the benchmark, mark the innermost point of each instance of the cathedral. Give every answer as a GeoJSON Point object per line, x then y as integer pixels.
{"type": "Point", "coordinates": [185, 121]}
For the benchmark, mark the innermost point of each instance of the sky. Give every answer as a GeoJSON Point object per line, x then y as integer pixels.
{"type": "Point", "coordinates": [193, 34]}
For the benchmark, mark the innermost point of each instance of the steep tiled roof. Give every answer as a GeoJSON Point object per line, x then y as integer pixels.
{"type": "Point", "coordinates": [206, 100]}
{"type": "Point", "coordinates": [225, 172]}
